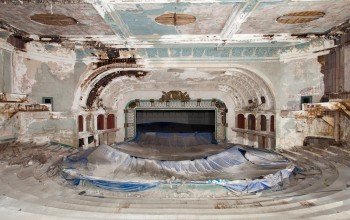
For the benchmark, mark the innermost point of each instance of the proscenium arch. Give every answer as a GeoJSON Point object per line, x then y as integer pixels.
{"type": "Point", "coordinates": [91, 78]}
{"type": "Point", "coordinates": [243, 84]}
{"type": "Point", "coordinates": [177, 104]}
{"type": "Point", "coordinates": [231, 84]}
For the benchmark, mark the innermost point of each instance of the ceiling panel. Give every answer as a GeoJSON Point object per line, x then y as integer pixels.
{"type": "Point", "coordinates": [263, 18]}
{"type": "Point", "coordinates": [89, 21]}
{"type": "Point", "coordinates": [140, 18]}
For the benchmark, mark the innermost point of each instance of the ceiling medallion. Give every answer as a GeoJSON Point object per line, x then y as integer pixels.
{"type": "Point", "coordinates": [53, 19]}
{"type": "Point", "coordinates": [175, 19]}
{"type": "Point", "coordinates": [300, 17]}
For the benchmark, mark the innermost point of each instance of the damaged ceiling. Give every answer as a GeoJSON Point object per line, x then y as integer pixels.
{"type": "Point", "coordinates": [227, 28]}
{"type": "Point", "coordinates": [89, 22]}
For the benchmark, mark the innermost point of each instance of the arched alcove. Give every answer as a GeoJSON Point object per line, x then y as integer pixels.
{"type": "Point", "coordinates": [263, 125]}
{"type": "Point", "coordinates": [251, 122]}
{"type": "Point", "coordinates": [110, 121]}
{"type": "Point", "coordinates": [272, 123]}
{"type": "Point", "coordinates": [80, 123]}
{"type": "Point", "coordinates": [240, 121]}
{"type": "Point", "coordinates": [100, 122]}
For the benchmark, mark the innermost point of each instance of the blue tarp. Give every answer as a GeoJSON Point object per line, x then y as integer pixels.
{"type": "Point", "coordinates": [124, 186]}
{"type": "Point", "coordinates": [257, 185]}
{"type": "Point", "coordinates": [248, 186]}
{"type": "Point", "coordinates": [235, 156]}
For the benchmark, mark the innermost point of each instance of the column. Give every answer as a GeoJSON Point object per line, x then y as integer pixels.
{"type": "Point", "coordinates": [96, 140]}
{"type": "Point", "coordinates": [85, 141]}
{"type": "Point", "coordinates": [94, 122]}
{"type": "Point", "coordinates": [84, 123]}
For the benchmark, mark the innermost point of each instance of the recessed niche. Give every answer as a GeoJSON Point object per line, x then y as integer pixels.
{"type": "Point", "coordinates": [175, 19]}
{"type": "Point", "coordinates": [300, 17]}
{"type": "Point", "coordinates": [53, 19]}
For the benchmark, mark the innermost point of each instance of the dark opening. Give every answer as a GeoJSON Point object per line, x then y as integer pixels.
{"type": "Point", "coordinates": [264, 142]}
{"type": "Point", "coordinates": [81, 142]}
{"type": "Point", "coordinates": [263, 123]}
{"type": "Point", "coordinates": [305, 99]}
{"type": "Point", "coordinates": [175, 128]}
{"type": "Point", "coordinates": [272, 123]}
{"type": "Point", "coordinates": [48, 100]}
{"type": "Point", "coordinates": [91, 139]}
{"type": "Point", "coordinates": [240, 121]}
{"type": "Point", "coordinates": [100, 122]}
{"type": "Point", "coordinates": [325, 99]}
{"type": "Point", "coordinates": [110, 121]}
{"type": "Point", "coordinates": [175, 121]}
{"type": "Point", "coordinates": [80, 123]}
{"type": "Point", "coordinates": [251, 122]}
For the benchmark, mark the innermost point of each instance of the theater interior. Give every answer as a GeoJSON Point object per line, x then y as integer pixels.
{"type": "Point", "coordinates": [174, 109]}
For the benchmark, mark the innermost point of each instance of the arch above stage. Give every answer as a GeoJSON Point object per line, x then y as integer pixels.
{"type": "Point", "coordinates": [245, 88]}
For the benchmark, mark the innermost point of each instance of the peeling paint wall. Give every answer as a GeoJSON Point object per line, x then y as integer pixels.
{"type": "Point", "coordinates": [24, 74]}
{"type": "Point", "coordinates": [301, 77]}
{"type": "Point", "coordinates": [345, 129]}
{"type": "Point", "coordinates": [44, 127]}
{"type": "Point", "coordinates": [46, 71]}
{"type": "Point", "coordinates": [281, 83]}
{"type": "Point", "coordinates": [347, 68]}
{"type": "Point", "coordinates": [5, 71]}
{"type": "Point", "coordinates": [60, 89]}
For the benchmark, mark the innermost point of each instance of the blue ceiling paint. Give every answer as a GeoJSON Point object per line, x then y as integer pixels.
{"type": "Point", "coordinates": [198, 52]}
{"type": "Point", "coordinates": [163, 52]}
{"type": "Point", "coordinates": [236, 52]}
{"type": "Point", "coordinates": [213, 52]}
{"type": "Point", "coordinates": [175, 52]}
{"type": "Point", "coordinates": [140, 20]}
{"type": "Point", "coordinates": [186, 52]}
{"type": "Point", "coordinates": [152, 52]}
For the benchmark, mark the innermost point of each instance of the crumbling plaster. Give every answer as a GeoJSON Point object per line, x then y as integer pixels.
{"type": "Point", "coordinates": [89, 21]}
{"type": "Point", "coordinates": [45, 127]}
{"type": "Point", "coordinates": [347, 68]}
{"type": "Point", "coordinates": [345, 131]}
{"type": "Point", "coordinates": [283, 82]}
{"type": "Point", "coordinates": [44, 71]}
{"type": "Point", "coordinates": [263, 17]}
{"type": "Point", "coordinates": [234, 86]}
{"type": "Point", "coordinates": [299, 78]}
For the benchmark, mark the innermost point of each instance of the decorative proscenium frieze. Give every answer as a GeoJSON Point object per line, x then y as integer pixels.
{"type": "Point", "coordinates": [174, 95]}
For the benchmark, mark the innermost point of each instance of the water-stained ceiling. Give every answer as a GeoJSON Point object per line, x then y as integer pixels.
{"type": "Point", "coordinates": [229, 29]}
{"type": "Point", "coordinates": [214, 19]}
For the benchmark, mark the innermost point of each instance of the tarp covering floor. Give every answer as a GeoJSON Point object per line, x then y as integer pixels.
{"type": "Point", "coordinates": [237, 168]}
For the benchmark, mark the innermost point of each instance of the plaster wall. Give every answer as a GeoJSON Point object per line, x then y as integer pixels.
{"type": "Point", "coordinates": [301, 77]}
{"type": "Point", "coordinates": [287, 82]}
{"type": "Point", "coordinates": [5, 71]}
{"type": "Point", "coordinates": [46, 126]}
{"type": "Point", "coordinates": [344, 129]}
{"type": "Point", "coordinates": [347, 68]}
{"type": "Point", "coordinates": [8, 126]}
{"type": "Point", "coordinates": [40, 79]}
{"type": "Point", "coordinates": [61, 90]}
